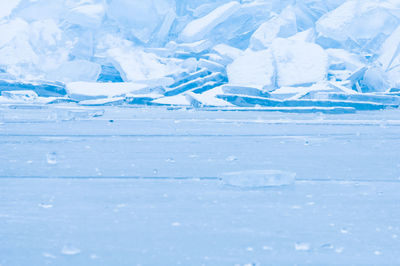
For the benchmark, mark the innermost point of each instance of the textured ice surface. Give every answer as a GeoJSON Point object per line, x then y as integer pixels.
{"type": "Point", "coordinates": [352, 45]}
{"type": "Point", "coordinates": [258, 178]}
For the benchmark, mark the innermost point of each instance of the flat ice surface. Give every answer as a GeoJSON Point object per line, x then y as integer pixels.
{"type": "Point", "coordinates": [142, 186]}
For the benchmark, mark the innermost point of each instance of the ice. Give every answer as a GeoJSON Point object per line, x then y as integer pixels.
{"type": "Point", "coordinates": [24, 96]}
{"type": "Point", "coordinates": [375, 79]}
{"type": "Point", "coordinates": [390, 51]}
{"type": "Point", "coordinates": [134, 64]}
{"type": "Point", "coordinates": [242, 90]}
{"type": "Point", "coordinates": [76, 70]}
{"type": "Point", "coordinates": [197, 29]}
{"type": "Point", "coordinates": [207, 99]}
{"type": "Point", "coordinates": [389, 59]}
{"type": "Point", "coordinates": [257, 46]}
{"type": "Point", "coordinates": [258, 178]}
{"type": "Point", "coordinates": [305, 36]}
{"type": "Point", "coordinates": [43, 89]}
{"type": "Point", "coordinates": [282, 26]}
{"type": "Point", "coordinates": [141, 18]}
{"type": "Point", "coordinates": [227, 52]}
{"type": "Point", "coordinates": [253, 101]}
{"type": "Point", "coordinates": [253, 69]}
{"type": "Point", "coordinates": [358, 24]}
{"type": "Point", "coordinates": [7, 7]}
{"type": "Point", "coordinates": [366, 97]}
{"type": "Point", "coordinates": [174, 100]}
{"type": "Point", "coordinates": [92, 90]}
{"type": "Point", "coordinates": [70, 250]}
{"type": "Point", "coordinates": [103, 102]}
{"type": "Point", "coordinates": [109, 74]}
{"type": "Point", "coordinates": [194, 47]}
{"type": "Point", "coordinates": [87, 15]}
{"type": "Point", "coordinates": [298, 91]}
{"type": "Point", "coordinates": [290, 57]}
{"type": "Point", "coordinates": [198, 82]}
{"type": "Point", "coordinates": [340, 59]}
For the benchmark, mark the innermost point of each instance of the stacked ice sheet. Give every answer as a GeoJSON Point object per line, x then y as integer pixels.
{"type": "Point", "coordinates": [304, 54]}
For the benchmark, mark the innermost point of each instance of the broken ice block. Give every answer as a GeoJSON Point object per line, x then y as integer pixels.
{"type": "Point", "coordinates": [194, 47]}
{"type": "Point", "coordinates": [211, 65]}
{"type": "Point", "coordinates": [87, 15]}
{"type": "Point", "coordinates": [197, 29]}
{"type": "Point", "coordinates": [251, 101]}
{"type": "Point", "coordinates": [91, 90]}
{"type": "Point", "coordinates": [140, 18]}
{"type": "Point", "coordinates": [298, 62]}
{"type": "Point", "coordinates": [177, 100]}
{"type": "Point", "coordinates": [304, 36]}
{"type": "Point", "coordinates": [109, 74]}
{"type": "Point", "coordinates": [389, 54]}
{"type": "Point", "coordinates": [22, 95]}
{"type": "Point", "coordinates": [282, 26]}
{"type": "Point", "coordinates": [299, 92]}
{"type": "Point", "coordinates": [207, 98]}
{"type": "Point", "coordinates": [134, 64]}
{"type": "Point", "coordinates": [227, 52]}
{"type": "Point", "coordinates": [76, 70]}
{"type": "Point", "coordinates": [7, 7]}
{"type": "Point", "coordinates": [356, 24]}
{"type": "Point", "coordinates": [258, 178]}
{"type": "Point", "coordinates": [375, 79]}
{"type": "Point", "coordinates": [364, 97]}
{"type": "Point", "coordinates": [198, 82]}
{"type": "Point", "coordinates": [242, 90]}
{"type": "Point", "coordinates": [42, 89]}
{"type": "Point", "coordinates": [253, 69]}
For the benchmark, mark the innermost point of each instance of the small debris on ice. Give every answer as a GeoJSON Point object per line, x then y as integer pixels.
{"type": "Point", "coordinates": [51, 158]}
{"type": "Point", "coordinates": [302, 246]}
{"type": "Point", "coordinates": [70, 250]}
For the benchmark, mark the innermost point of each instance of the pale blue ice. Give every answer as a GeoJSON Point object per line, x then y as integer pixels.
{"type": "Point", "coordinates": [188, 132]}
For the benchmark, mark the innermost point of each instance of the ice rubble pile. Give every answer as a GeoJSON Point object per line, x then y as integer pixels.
{"type": "Point", "coordinates": [278, 54]}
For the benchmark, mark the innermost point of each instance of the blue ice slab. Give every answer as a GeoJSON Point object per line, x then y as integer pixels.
{"type": "Point", "coordinates": [43, 89]}
{"type": "Point", "coordinates": [208, 86]}
{"type": "Point", "coordinates": [296, 110]}
{"type": "Point", "coordinates": [190, 76]}
{"type": "Point", "coordinates": [232, 89]}
{"type": "Point", "coordinates": [199, 81]}
{"type": "Point", "coordinates": [247, 101]}
{"type": "Point", "coordinates": [365, 97]}
{"type": "Point", "coordinates": [109, 74]}
{"type": "Point", "coordinates": [139, 100]}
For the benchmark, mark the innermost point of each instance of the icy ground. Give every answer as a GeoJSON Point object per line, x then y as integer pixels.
{"type": "Point", "coordinates": [146, 186]}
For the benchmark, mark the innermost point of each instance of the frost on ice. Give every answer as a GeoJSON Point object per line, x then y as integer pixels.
{"type": "Point", "coordinates": [203, 53]}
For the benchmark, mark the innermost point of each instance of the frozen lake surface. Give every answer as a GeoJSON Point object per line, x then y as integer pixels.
{"type": "Point", "coordinates": [142, 186]}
